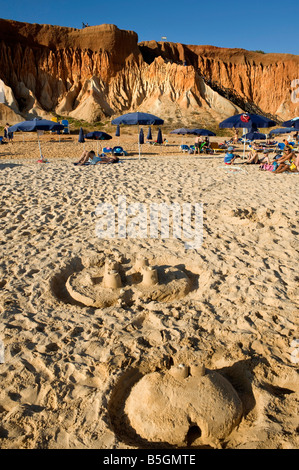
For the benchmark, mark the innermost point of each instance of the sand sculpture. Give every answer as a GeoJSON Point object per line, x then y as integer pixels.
{"type": "Point", "coordinates": [109, 280]}
{"type": "Point", "coordinates": [184, 406]}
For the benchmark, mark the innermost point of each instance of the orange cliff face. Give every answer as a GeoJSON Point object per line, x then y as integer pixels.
{"type": "Point", "coordinates": [102, 71]}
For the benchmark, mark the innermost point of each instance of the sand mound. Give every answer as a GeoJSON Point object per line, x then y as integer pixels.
{"type": "Point", "coordinates": [178, 409]}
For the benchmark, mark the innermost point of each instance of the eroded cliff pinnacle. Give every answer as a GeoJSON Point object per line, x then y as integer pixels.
{"type": "Point", "coordinates": [101, 71]}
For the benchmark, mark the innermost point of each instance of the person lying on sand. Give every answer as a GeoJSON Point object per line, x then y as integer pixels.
{"type": "Point", "coordinates": [90, 157]}
{"type": "Point", "coordinates": [85, 157]}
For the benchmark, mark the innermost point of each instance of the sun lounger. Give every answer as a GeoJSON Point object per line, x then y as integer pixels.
{"type": "Point", "coordinates": [118, 151]}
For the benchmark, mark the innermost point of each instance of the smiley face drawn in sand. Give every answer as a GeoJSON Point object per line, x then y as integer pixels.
{"type": "Point", "coordinates": [111, 280]}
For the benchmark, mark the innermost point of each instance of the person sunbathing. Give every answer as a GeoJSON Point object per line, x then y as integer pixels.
{"type": "Point", "coordinates": [86, 157]}
{"type": "Point", "coordinates": [90, 157]}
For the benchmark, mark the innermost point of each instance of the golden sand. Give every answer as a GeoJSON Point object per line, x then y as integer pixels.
{"type": "Point", "coordinates": [68, 368]}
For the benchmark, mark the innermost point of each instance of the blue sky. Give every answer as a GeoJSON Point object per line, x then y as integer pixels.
{"type": "Point", "coordinates": [253, 25]}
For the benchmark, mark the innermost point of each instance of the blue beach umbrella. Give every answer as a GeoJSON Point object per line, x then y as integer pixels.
{"type": "Point", "coordinates": [254, 136]}
{"type": "Point", "coordinates": [247, 121]}
{"type": "Point", "coordinates": [136, 119]}
{"type": "Point", "coordinates": [181, 131]}
{"type": "Point", "coordinates": [204, 132]}
{"type": "Point", "coordinates": [98, 135]}
{"type": "Point", "coordinates": [292, 123]}
{"type": "Point", "coordinates": [282, 130]}
{"type": "Point", "coordinates": [36, 125]}
{"type": "Point", "coordinates": [149, 134]}
{"type": "Point", "coordinates": [117, 132]}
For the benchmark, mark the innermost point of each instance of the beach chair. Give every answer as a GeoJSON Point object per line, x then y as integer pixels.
{"type": "Point", "coordinates": [184, 148]}
{"type": "Point", "coordinates": [215, 147]}
{"type": "Point", "coordinates": [107, 150]}
{"type": "Point", "coordinates": [118, 151]}
{"type": "Point", "coordinates": [65, 123]}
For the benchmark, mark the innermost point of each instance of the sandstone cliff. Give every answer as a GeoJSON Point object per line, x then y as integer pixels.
{"type": "Point", "coordinates": [101, 71]}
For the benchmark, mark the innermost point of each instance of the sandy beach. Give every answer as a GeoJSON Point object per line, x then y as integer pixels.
{"type": "Point", "coordinates": [70, 371]}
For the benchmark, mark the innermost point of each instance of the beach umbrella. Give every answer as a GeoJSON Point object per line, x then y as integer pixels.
{"type": "Point", "coordinates": [36, 125]}
{"type": "Point", "coordinates": [204, 132]}
{"type": "Point", "coordinates": [141, 137]}
{"type": "Point", "coordinates": [181, 131]}
{"type": "Point", "coordinates": [117, 132]}
{"type": "Point", "coordinates": [98, 135]}
{"type": "Point", "coordinates": [149, 134]}
{"type": "Point", "coordinates": [282, 130]}
{"type": "Point", "coordinates": [159, 137]}
{"type": "Point", "coordinates": [136, 119]}
{"type": "Point", "coordinates": [247, 121]}
{"type": "Point", "coordinates": [254, 136]}
{"type": "Point", "coordinates": [292, 123]}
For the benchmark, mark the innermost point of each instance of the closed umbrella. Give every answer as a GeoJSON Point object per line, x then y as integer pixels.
{"type": "Point", "coordinates": [136, 119]}
{"type": "Point", "coordinates": [81, 139]}
{"type": "Point", "coordinates": [36, 125]}
{"type": "Point", "coordinates": [141, 137]}
{"type": "Point", "coordinates": [81, 136]}
{"type": "Point", "coordinates": [149, 134]}
{"type": "Point", "coordinates": [159, 137]}
{"type": "Point", "coordinates": [117, 132]}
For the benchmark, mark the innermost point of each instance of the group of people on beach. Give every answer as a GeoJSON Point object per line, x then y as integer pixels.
{"type": "Point", "coordinates": [281, 162]}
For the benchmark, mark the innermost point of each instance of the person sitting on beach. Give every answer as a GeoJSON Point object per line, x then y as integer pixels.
{"type": "Point", "coordinates": [288, 162]}
{"type": "Point", "coordinates": [253, 157]}
{"type": "Point", "coordinates": [229, 157]}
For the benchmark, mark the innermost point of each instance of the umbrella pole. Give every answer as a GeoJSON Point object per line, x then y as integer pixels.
{"type": "Point", "coordinates": [244, 144]}
{"type": "Point", "coordinates": [138, 142]}
{"type": "Point", "coordinates": [40, 149]}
